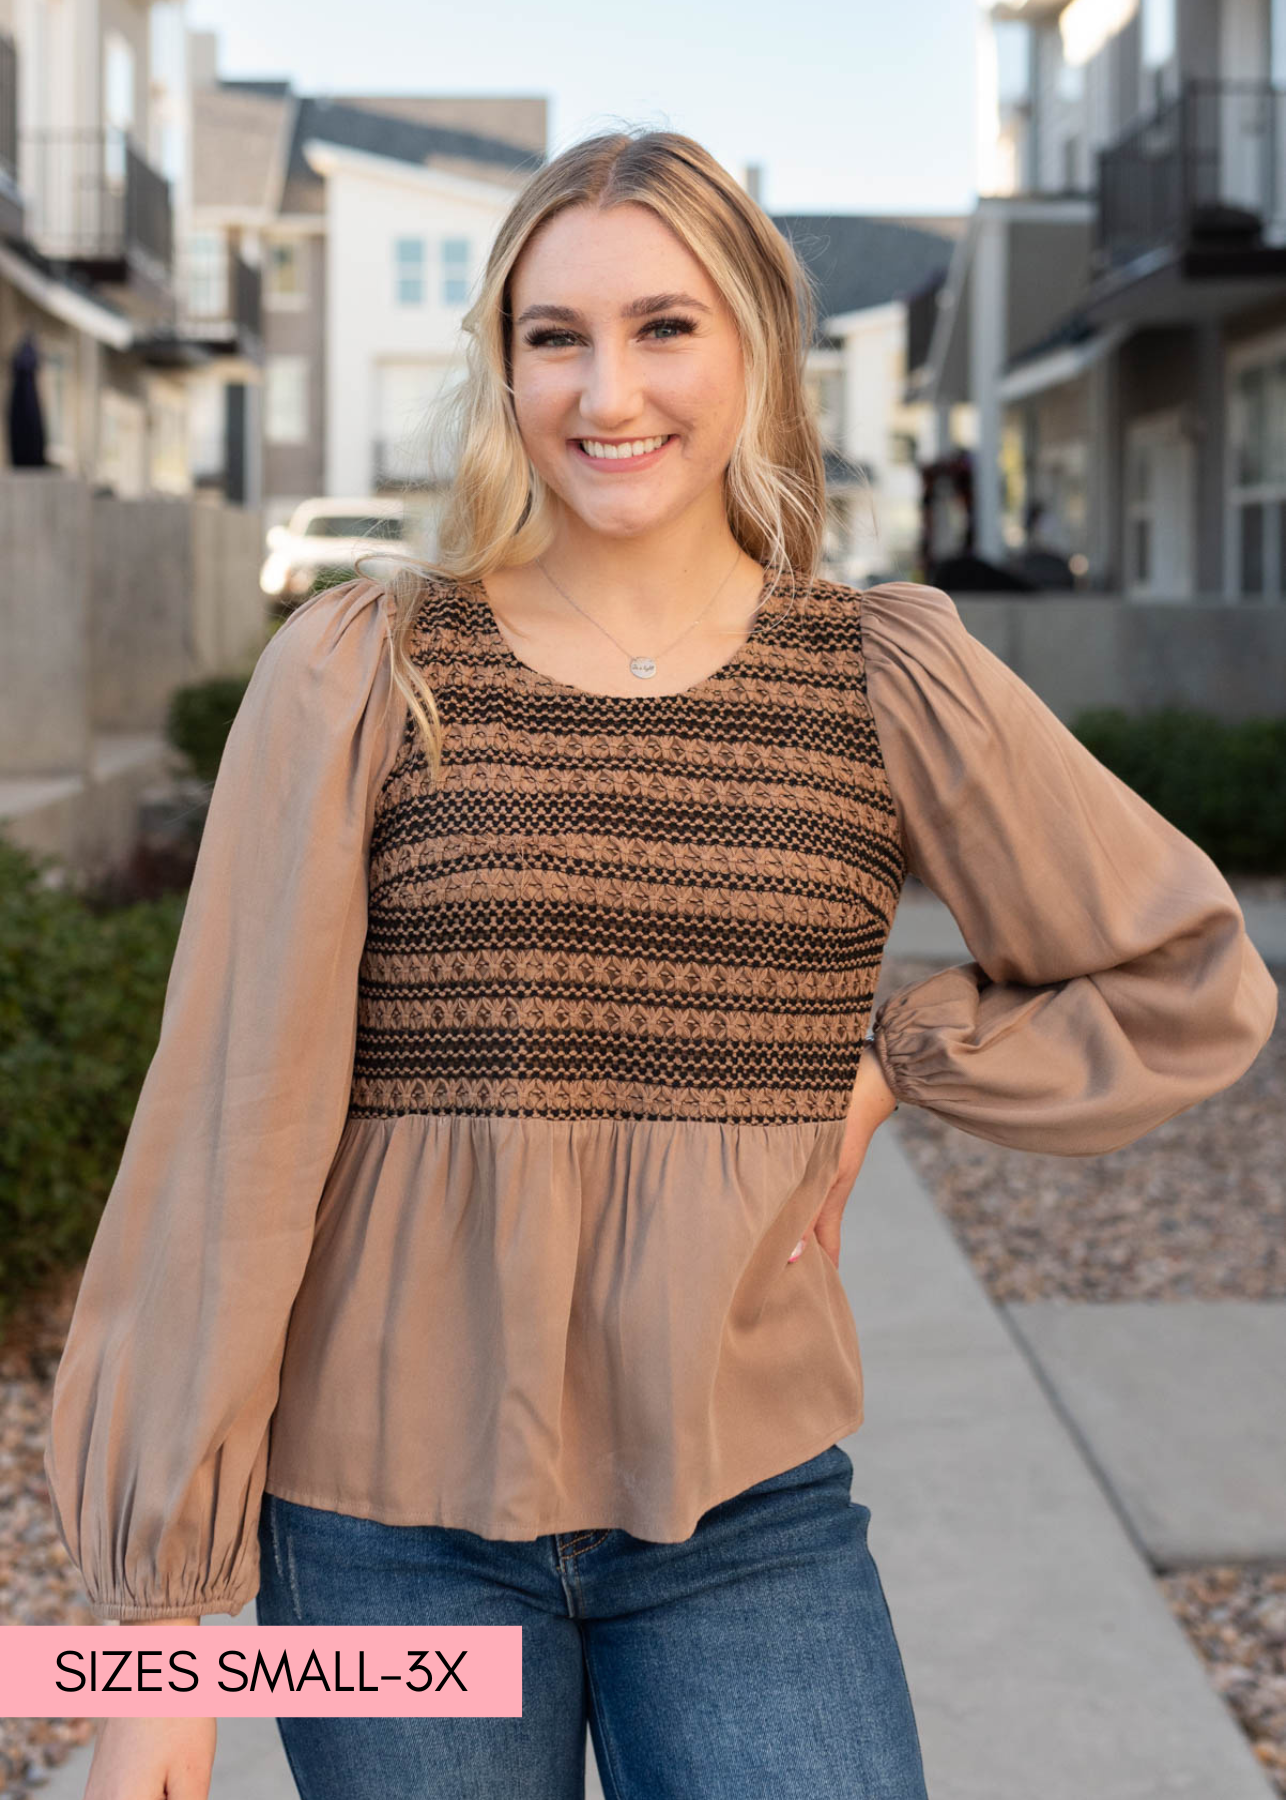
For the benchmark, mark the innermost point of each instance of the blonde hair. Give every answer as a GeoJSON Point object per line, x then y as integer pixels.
{"type": "Point", "coordinates": [497, 508]}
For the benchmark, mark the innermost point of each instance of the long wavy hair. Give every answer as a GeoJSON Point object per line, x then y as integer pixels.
{"type": "Point", "coordinates": [497, 509]}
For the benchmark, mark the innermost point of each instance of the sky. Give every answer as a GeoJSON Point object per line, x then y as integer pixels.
{"type": "Point", "coordinates": [865, 107]}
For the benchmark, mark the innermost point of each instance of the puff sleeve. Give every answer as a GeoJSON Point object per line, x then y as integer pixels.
{"type": "Point", "coordinates": [157, 1445]}
{"type": "Point", "coordinates": [1113, 983]}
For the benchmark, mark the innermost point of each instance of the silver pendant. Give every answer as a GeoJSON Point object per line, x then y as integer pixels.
{"type": "Point", "coordinates": [642, 666]}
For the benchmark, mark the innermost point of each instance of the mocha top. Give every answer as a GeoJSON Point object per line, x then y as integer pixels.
{"type": "Point", "coordinates": [484, 1117]}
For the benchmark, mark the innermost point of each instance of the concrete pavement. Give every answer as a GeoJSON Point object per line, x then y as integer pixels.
{"type": "Point", "coordinates": [1177, 1404]}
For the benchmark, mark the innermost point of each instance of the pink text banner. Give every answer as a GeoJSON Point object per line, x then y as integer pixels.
{"type": "Point", "coordinates": [257, 1671]}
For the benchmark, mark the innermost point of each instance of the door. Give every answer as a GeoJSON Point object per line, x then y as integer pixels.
{"type": "Point", "coordinates": [1160, 493]}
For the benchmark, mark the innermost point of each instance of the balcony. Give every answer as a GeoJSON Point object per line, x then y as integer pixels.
{"type": "Point", "coordinates": [97, 204]}
{"type": "Point", "coordinates": [11, 207]}
{"type": "Point", "coordinates": [220, 305]}
{"type": "Point", "coordinates": [1192, 203]}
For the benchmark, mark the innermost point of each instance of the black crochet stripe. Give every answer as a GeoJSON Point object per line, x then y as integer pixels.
{"type": "Point", "coordinates": [675, 910]}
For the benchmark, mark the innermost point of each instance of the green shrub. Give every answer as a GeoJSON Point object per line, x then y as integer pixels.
{"type": "Point", "coordinates": [200, 713]}
{"type": "Point", "coordinates": [1223, 785]}
{"type": "Point", "coordinates": [330, 575]}
{"type": "Point", "coordinates": [198, 720]}
{"type": "Point", "coordinates": [81, 997]}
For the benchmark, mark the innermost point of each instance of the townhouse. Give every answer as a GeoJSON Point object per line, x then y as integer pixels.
{"type": "Point", "coordinates": [1115, 312]}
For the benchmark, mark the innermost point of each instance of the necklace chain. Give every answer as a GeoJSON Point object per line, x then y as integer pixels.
{"type": "Point", "coordinates": [642, 666]}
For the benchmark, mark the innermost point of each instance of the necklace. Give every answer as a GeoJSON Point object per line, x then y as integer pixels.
{"type": "Point", "coordinates": [642, 666]}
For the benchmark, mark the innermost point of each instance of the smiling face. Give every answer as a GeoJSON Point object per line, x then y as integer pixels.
{"type": "Point", "coordinates": [622, 342]}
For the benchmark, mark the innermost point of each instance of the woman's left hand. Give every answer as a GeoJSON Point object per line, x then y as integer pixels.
{"type": "Point", "coordinates": [872, 1102]}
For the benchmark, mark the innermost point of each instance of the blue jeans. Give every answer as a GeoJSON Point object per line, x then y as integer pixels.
{"type": "Point", "coordinates": [755, 1658]}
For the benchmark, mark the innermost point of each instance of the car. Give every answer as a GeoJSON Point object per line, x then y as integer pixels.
{"type": "Point", "coordinates": [316, 547]}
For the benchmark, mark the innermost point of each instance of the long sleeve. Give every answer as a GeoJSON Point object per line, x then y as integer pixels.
{"type": "Point", "coordinates": [1113, 983]}
{"type": "Point", "coordinates": [157, 1447]}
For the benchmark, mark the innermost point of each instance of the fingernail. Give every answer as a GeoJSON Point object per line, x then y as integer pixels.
{"type": "Point", "coordinates": [797, 1251]}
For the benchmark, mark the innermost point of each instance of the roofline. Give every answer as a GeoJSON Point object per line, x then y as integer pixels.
{"type": "Point", "coordinates": [328, 159]}
{"type": "Point", "coordinates": [864, 315]}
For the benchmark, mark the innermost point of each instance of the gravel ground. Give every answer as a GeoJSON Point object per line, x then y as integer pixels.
{"type": "Point", "coordinates": [1195, 1210]}
{"type": "Point", "coordinates": [1145, 1222]}
{"type": "Point", "coordinates": [38, 1584]}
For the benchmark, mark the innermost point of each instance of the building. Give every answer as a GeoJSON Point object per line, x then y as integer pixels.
{"type": "Point", "coordinates": [866, 270]}
{"type": "Point", "coordinates": [368, 218]}
{"type": "Point", "coordinates": [92, 144]}
{"type": "Point", "coordinates": [1116, 310]}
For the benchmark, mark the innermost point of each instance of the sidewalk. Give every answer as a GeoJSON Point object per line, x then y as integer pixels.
{"type": "Point", "coordinates": [1040, 1653]}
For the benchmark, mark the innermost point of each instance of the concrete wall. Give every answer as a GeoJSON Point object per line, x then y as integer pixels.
{"type": "Point", "coordinates": [45, 660]}
{"type": "Point", "coordinates": [1087, 650]}
{"type": "Point", "coordinates": [107, 606]}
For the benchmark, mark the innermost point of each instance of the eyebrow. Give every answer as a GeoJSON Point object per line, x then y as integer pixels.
{"type": "Point", "coordinates": [636, 309]}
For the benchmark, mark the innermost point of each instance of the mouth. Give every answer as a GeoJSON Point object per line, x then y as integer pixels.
{"type": "Point", "coordinates": [632, 453]}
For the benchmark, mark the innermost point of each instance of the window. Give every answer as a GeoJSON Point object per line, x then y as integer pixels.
{"type": "Point", "coordinates": [455, 271]}
{"type": "Point", "coordinates": [1069, 83]}
{"type": "Point", "coordinates": [1158, 32]}
{"type": "Point", "coordinates": [207, 275]}
{"type": "Point", "coordinates": [283, 271]}
{"type": "Point", "coordinates": [118, 81]}
{"type": "Point", "coordinates": [1159, 506]}
{"type": "Point", "coordinates": [286, 399]}
{"type": "Point", "coordinates": [408, 263]}
{"type": "Point", "coordinates": [118, 103]}
{"type": "Point", "coordinates": [1277, 42]}
{"type": "Point", "coordinates": [1257, 434]}
{"type": "Point", "coordinates": [1013, 65]}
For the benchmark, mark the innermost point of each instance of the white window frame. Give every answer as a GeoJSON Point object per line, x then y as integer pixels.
{"type": "Point", "coordinates": [455, 268]}
{"type": "Point", "coordinates": [410, 269]}
{"type": "Point", "coordinates": [208, 262]}
{"type": "Point", "coordinates": [120, 77]}
{"type": "Point", "coordinates": [284, 299]}
{"type": "Point", "coordinates": [286, 412]}
{"type": "Point", "coordinates": [1270, 493]}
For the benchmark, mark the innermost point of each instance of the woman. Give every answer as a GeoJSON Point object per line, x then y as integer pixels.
{"type": "Point", "coordinates": [510, 1087]}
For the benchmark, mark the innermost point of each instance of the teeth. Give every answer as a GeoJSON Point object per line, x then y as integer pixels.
{"type": "Point", "coordinates": [639, 447]}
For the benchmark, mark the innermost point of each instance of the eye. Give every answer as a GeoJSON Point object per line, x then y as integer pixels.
{"type": "Point", "coordinates": [681, 327]}
{"type": "Point", "coordinates": [547, 337]}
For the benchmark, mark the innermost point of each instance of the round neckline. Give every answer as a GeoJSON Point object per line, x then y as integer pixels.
{"type": "Point", "coordinates": [767, 610]}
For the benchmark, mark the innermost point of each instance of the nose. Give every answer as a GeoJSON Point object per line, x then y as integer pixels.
{"type": "Point", "coordinates": [611, 394]}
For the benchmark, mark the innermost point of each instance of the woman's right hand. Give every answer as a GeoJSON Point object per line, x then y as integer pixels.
{"type": "Point", "coordinates": [152, 1759]}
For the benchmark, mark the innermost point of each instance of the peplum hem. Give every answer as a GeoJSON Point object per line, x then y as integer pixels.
{"type": "Point", "coordinates": [520, 1326]}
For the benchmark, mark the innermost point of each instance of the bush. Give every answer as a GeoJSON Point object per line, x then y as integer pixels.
{"type": "Point", "coordinates": [1223, 785]}
{"type": "Point", "coordinates": [330, 575]}
{"type": "Point", "coordinates": [81, 998]}
{"type": "Point", "coordinates": [199, 718]}
{"type": "Point", "coordinates": [200, 713]}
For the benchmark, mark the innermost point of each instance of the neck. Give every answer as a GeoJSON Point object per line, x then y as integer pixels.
{"type": "Point", "coordinates": [663, 573]}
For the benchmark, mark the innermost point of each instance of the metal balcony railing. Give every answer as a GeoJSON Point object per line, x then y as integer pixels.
{"type": "Point", "coordinates": [220, 294]}
{"type": "Point", "coordinates": [1208, 167]}
{"type": "Point", "coordinates": [93, 198]}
